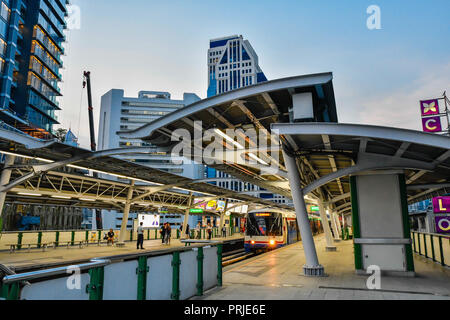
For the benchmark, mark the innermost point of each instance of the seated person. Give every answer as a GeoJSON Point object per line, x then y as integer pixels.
{"type": "Point", "coordinates": [110, 236]}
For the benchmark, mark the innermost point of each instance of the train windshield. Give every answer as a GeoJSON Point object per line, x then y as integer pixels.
{"type": "Point", "coordinates": [264, 224]}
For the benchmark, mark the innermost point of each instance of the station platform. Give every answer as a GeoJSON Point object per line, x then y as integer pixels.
{"type": "Point", "coordinates": [277, 275]}
{"type": "Point", "coordinates": [22, 260]}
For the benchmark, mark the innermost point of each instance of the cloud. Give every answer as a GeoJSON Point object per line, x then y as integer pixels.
{"type": "Point", "coordinates": [399, 107]}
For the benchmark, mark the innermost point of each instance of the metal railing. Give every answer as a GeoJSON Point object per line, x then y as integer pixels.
{"type": "Point", "coordinates": [432, 246]}
{"type": "Point", "coordinates": [103, 275]}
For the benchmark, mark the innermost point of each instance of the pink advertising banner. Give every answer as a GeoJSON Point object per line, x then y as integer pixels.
{"type": "Point", "coordinates": [441, 205]}
{"type": "Point", "coordinates": [432, 124]}
{"type": "Point", "coordinates": [429, 107]}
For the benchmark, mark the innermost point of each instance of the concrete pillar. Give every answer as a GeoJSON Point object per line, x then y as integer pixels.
{"type": "Point", "coordinates": [186, 217]}
{"type": "Point", "coordinates": [338, 223]}
{"type": "Point", "coordinates": [326, 227]}
{"type": "Point", "coordinates": [4, 180]}
{"type": "Point", "coordinates": [126, 212]}
{"type": "Point", "coordinates": [335, 227]}
{"type": "Point", "coordinates": [312, 266]}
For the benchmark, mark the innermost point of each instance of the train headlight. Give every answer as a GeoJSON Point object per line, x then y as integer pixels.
{"type": "Point", "coordinates": [272, 242]}
{"type": "Point", "coordinates": [252, 242]}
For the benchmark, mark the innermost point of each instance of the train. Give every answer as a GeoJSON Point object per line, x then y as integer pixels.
{"type": "Point", "coordinates": [269, 229]}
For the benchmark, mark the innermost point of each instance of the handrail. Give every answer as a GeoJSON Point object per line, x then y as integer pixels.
{"type": "Point", "coordinates": [433, 234]}
{"type": "Point", "coordinates": [53, 272]}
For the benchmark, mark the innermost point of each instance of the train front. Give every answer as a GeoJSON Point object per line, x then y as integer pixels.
{"type": "Point", "coordinates": [264, 231]}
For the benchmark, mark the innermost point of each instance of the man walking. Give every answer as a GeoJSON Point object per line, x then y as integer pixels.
{"type": "Point", "coordinates": [140, 239]}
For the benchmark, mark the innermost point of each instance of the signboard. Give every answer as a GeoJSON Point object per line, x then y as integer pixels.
{"type": "Point", "coordinates": [149, 220]}
{"type": "Point", "coordinates": [220, 205]}
{"type": "Point", "coordinates": [314, 208]}
{"type": "Point", "coordinates": [442, 224]}
{"type": "Point", "coordinates": [211, 205]}
{"type": "Point", "coordinates": [441, 205]}
{"type": "Point", "coordinates": [196, 210]}
{"type": "Point", "coordinates": [429, 107]}
{"type": "Point", "coordinates": [199, 204]}
{"type": "Point", "coordinates": [432, 124]}
{"type": "Point", "coordinates": [163, 210]}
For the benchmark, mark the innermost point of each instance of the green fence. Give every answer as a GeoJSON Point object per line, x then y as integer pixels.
{"type": "Point", "coordinates": [432, 246]}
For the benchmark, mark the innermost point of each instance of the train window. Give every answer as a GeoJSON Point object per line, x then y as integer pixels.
{"type": "Point", "coordinates": [264, 224]}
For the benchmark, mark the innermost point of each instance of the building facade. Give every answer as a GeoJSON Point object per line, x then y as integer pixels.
{"type": "Point", "coordinates": [31, 39]}
{"type": "Point", "coordinates": [233, 64]}
{"type": "Point", "coordinates": [118, 113]}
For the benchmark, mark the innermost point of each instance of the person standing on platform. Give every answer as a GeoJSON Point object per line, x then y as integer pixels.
{"type": "Point", "coordinates": [224, 231]}
{"type": "Point", "coordinates": [163, 233]}
{"type": "Point", "coordinates": [140, 238]}
{"type": "Point", "coordinates": [188, 234]}
{"type": "Point", "coordinates": [168, 233]}
{"type": "Point", "coordinates": [209, 229]}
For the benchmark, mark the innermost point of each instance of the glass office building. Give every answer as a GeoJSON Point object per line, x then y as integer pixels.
{"type": "Point", "coordinates": [31, 39]}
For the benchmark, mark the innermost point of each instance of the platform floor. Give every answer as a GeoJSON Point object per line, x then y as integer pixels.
{"type": "Point", "coordinates": [62, 255]}
{"type": "Point", "coordinates": [277, 276]}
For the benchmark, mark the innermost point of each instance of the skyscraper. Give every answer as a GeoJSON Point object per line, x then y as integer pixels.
{"type": "Point", "coordinates": [31, 38]}
{"type": "Point", "coordinates": [118, 113]}
{"type": "Point", "coordinates": [232, 64]}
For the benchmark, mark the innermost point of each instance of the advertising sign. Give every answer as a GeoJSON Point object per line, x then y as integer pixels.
{"type": "Point", "coordinates": [220, 205]}
{"type": "Point", "coordinates": [429, 107]}
{"type": "Point", "coordinates": [149, 220]}
{"type": "Point", "coordinates": [442, 224]}
{"type": "Point", "coordinates": [200, 204]}
{"type": "Point", "coordinates": [432, 124]}
{"type": "Point", "coordinates": [441, 205]}
{"type": "Point", "coordinates": [211, 205]}
{"type": "Point", "coordinates": [196, 210]}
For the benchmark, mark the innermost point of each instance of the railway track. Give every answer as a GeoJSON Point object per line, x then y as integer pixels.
{"type": "Point", "coordinates": [236, 256]}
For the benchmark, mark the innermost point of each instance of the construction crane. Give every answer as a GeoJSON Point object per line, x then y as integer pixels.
{"type": "Point", "coordinates": [87, 84]}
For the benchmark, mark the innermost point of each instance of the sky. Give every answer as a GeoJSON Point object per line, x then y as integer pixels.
{"type": "Point", "coordinates": [161, 45]}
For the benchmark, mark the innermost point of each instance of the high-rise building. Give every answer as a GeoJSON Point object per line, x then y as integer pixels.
{"type": "Point", "coordinates": [119, 113]}
{"type": "Point", "coordinates": [31, 39]}
{"type": "Point", "coordinates": [232, 64]}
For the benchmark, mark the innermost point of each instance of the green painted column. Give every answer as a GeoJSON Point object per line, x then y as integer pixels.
{"type": "Point", "coordinates": [356, 225]}
{"type": "Point", "coordinates": [406, 225]}
{"type": "Point", "coordinates": [178, 233]}
{"type": "Point", "coordinates": [72, 240]}
{"type": "Point", "coordinates": [156, 234]}
{"type": "Point", "coordinates": [95, 286]}
{"type": "Point", "coordinates": [87, 236]}
{"type": "Point", "coordinates": [148, 234]}
{"type": "Point", "coordinates": [219, 264]}
{"type": "Point", "coordinates": [142, 271]}
{"type": "Point", "coordinates": [200, 258]}
{"type": "Point", "coordinates": [57, 238]}
{"type": "Point", "coordinates": [176, 275]}
{"type": "Point", "coordinates": [418, 243]}
{"type": "Point", "coordinates": [441, 250]}
{"type": "Point", "coordinates": [10, 291]}
{"type": "Point", "coordinates": [19, 240]}
{"type": "Point", "coordinates": [39, 240]}
{"type": "Point", "coordinates": [413, 237]}
{"type": "Point", "coordinates": [131, 235]}
{"type": "Point", "coordinates": [99, 235]}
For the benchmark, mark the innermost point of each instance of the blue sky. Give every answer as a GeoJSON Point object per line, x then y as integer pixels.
{"type": "Point", "coordinates": [379, 75]}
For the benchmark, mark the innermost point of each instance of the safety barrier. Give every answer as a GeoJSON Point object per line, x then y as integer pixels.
{"type": "Point", "coordinates": [143, 276]}
{"type": "Point", "coordinates": [433, 246]}
{"type": "Point", "coordinates": [57, 238]}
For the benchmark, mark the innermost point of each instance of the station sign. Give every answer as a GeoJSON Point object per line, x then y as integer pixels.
{"type": "Point", "coordinates": [432, 124]}
{"type": "Point", "coordinates": [429, 107]}
{"type": "Point", "coordinates": [442, 224]}
{"type": "Point", "coordinates": [196, 210]}
{"type": "Point", "coordinates": [441, 205]}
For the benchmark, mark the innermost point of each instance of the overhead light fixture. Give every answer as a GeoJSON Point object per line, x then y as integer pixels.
{"type": "Point", "coordinates": [61, 197]}
{"type": "Point", "coordinates": [29, 194]}
{"type": "Point", "coordinates": [87, 199]}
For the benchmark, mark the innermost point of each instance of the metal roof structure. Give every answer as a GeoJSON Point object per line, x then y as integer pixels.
{"type": "Point", "coordinates": [42, 173]}
{"type": "Point", "coordinates": [326, 152]}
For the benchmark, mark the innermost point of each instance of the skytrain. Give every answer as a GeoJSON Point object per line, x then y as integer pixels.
{"type": "Point", "coordinates": [268, 229]}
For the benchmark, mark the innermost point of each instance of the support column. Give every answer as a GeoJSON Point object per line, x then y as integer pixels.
{"type": "Point", "coordinates": [4, 180]}
{"type": "Point", "coordinates": [312, 266]}
{"type": "Point", "coordinates": [126, 212]}
{"type": "Point", "coordinates": [222, 218]}
{"type": "Point", "coordinates": [338, 224]}
{"type": "Point", "coordinates": [326, 227]}
{"type": "Point", "coordinates": [186, 217]}
{"type": "Point", "coordinates": [335, 226]}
